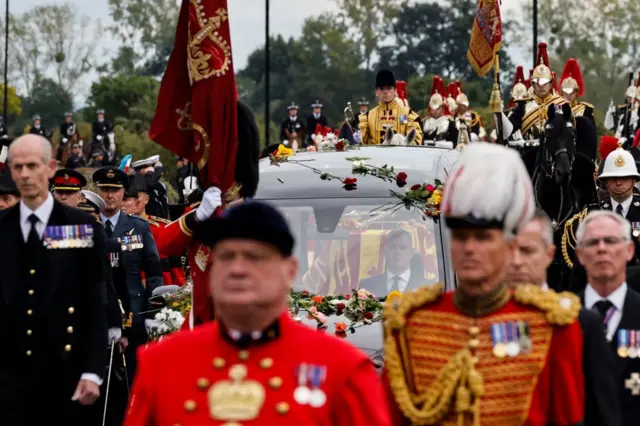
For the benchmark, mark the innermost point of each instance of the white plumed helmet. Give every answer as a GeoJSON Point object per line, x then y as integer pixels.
{"type": "Point", "coordinates": [489, 187]}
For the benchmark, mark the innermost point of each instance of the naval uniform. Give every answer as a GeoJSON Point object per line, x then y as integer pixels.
{"type": "Point", "coordinates": [52, 305]}
{"type": "Point", "coordinates": [233, 379]}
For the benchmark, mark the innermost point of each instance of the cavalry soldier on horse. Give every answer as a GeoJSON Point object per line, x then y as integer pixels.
{"type": "Point", "coordinates": [103, 136]}
{"type": "Point", "coordinates": [390, 113]}
{"type": "Point", "coordinates": [69, 136]}
{"type": "Point", "coordinates": [572, 87]}
{"type": "Point", "coordinates": [36, 127]}
{"type": "Point", "coordinates": [464, 115]}
{"type": "Point", "coordinates": [439, 125]}
{"type": "Point", "coordinates": [619, 118]}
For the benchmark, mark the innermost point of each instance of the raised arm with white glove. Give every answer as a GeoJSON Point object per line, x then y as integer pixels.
{"type": "Point", "coordinates": [211, 200]}
{"type": "Point", "coordinates": [608, 117]}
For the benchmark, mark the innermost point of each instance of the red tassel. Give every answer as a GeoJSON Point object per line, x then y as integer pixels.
{"type": "Point", "coordinates": [572, 70]}
{"type": "Point", "coordinates": [542, 57]}
{"type": "Point", "coordinates": [608, 144]}
{"type": "Point", "coordinates": [554, 77]}
{"type": "Point", "coordinates": [401, 89]}
{"type": "Point", "coordinates": [636, 140]}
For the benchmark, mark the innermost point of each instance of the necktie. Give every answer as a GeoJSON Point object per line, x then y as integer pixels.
{"type": "Point", "coordinates": [395, 286]}
{"type": "Point", "coordinates": [108, 228]}
{"type": "Point", "coordinates": [619, 210]}
{"type": "Point", "coordinates": [33, 239]}
{"type": "Point", "coordinates": [603, 307]}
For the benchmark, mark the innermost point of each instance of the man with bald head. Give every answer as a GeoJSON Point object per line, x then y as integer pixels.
{"type": "Point", "coordinates": [51, 299]}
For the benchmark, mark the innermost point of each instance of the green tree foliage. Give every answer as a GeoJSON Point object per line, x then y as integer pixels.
{"type": "Point", "coordinates": [14, 104]}
{"type": "Point", "coordinates": [53, 41]}
{"type": "Point", "coordinates": [47, 99]}
{"type": "Point", "coordinates": [147, 30]}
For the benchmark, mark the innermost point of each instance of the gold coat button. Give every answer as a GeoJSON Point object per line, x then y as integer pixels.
{"type": "Point", "coordinates": [29, 312]}
{"type": "Point", "coordinates": [71, 310]}
{"type": "Point", "coordinates": [31, 292]}
{"type": "Point", "coordinates": [275, 382]}
{"type": "Point", "coordinates": [32, 272]}
{"type": "Point", "coordinates": [190, 406]}
{"type": "Point", "coordinates": [243, 355]}
{"type": "Point", "coordinates": [67, 348]}
{"type": "Point", "coordinates": [28, 353]}
{"type": "Point", "coordinates": [218, 362]}
{"type": "Point", "coordinates": [203, 383]}
{"type": "Point", "coordinates": [474, 343]}
{"type": "Point", "coordinates": [282, 407]}
{"type": "Point", "coordinates": [474, 331]}
{"type": "Point", "coordinates": [70, 330]}
{"type": "Point", "coordinates": [266, 363]}
{"type": "Point", "coordinates": [29, 332]}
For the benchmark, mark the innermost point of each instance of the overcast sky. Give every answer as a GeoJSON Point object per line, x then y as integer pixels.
{"type": "Point", "coordinates": [247, 20]}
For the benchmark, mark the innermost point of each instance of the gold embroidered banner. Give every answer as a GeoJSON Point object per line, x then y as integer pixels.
{"type": "Point", "coordinates": [486, 36]}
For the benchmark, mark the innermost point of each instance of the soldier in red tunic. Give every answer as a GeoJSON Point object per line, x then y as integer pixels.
{"type": "Point", "coordinates": [256, 365]}
{"type": "Point", "coordinates": [482, 355]}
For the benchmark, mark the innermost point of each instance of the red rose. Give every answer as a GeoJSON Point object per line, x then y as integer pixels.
{"type": "Point", "coordinates": [430, 188]}
{"type": "Point", "coordinates": [340, 146]}
{"type": "Point", "coordinates": [416, 187]}
{"type": "Point", "coordinates": [305, 293]}
{"type": "Point", "coordinates": [350, 183]}
{"type": "Point", "coordinates": [368, 315]}
{"type": "Point", "coordinates": [401, 177]}
{"type": "Point", "coordinates": [340, 306]}
{"type": "Point", "coordinates": [347, 296]}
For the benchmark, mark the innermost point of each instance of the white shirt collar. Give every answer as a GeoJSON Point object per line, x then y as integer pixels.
{"type": "Point", "coordinates": [404, 280]}
{"type": "Point", "coordinates": [591, 297]}
{"type": "Point", "coordinates": [113, 219]}
{"type": "Point", "coordinates": [625, 205]}
{"type": "Point", "coordinates": [43, 212]}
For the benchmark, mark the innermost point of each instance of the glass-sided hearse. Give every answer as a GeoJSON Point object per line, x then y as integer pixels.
{"type": "Point", "coordinates": [361, 237]}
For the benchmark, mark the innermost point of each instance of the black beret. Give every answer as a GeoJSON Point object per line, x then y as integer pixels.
{"type": "Point", "coordinates": [385, 78]}
{"type": "Point", "coordinates": [110, 177]}
{"type": "Point", "coordinates": [68, 180]}
{"type": "Point", "coordinates": [7, 185]}
{"type": "Point", "coordinates": [251, 220]}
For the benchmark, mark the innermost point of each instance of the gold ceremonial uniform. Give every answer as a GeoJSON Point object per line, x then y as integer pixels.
{"type": "Point", "coordinates": [402, 119]}
{"type": "Point", "coordinates": [535, 115]}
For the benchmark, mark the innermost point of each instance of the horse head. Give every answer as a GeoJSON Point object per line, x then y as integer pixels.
{"type": "Point", "coordinates": [559, 143]}
{"type": "Point", "coordinates": [391, 138]}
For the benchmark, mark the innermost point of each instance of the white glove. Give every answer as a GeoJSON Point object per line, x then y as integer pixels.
{"type": "Point", "coordinates": [357, 137]}
{"type": "Point", "coordinates": [211, 200]}
{"type": "Point", "coordinates": [64, 140]}
{"type": "Point", "coordinates": [99, 137]}
{"type": "Point", "coordinates": [313, 137]}
{"type": "Point", "coordinates": [149, 325]}
{"type": "Point", "coordinates": [115, 334]}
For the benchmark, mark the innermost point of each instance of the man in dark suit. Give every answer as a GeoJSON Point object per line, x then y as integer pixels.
{"type": "Point", "coordinates": [51, 295]}
{"type": "Point", "coordinates": [9, 195]}
{"type": "Point", "coordinates": [399, 274]}
{"type": "Point", "coordinates": [533, 254]}
{"type": "Point", "coordinates": [604, 247]}
{"type": "Point", "coordinates": [139, 253]}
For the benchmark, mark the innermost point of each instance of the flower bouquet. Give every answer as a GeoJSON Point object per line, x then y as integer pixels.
{"type": "Point", "coordinates": [165, 322]}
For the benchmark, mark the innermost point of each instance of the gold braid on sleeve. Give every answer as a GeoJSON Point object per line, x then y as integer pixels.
{"type": "Point", "coordinates": [569, 237]}
{"type": "Point", "coordinates": [560, 308]}
{"type": "Point", "coordinates": [458, 382]}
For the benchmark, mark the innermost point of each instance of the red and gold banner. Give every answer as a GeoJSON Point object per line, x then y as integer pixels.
{"type": "Point", "coordinates": [196, 116]}
{"type": "Point", "coordinates": [486, 36]}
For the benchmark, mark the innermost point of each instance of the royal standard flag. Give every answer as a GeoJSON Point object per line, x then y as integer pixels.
{"type": "Point", "coordinates": [486, 36]}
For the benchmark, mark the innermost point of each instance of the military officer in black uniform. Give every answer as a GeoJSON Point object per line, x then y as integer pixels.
{"type": "Point", "coordinates": [604, 248]}
{"type": "Point", "coordinates": [292, 128]}
{"type": "Point", "coordinates": [5, 140]}
{"type": "Point", "coordinates": [153, 170]}
{"type": "Point", "coordinates": [102, 134]}
{"type": "Point", "coordinates": [9, 195]}
{"type": "Point", "coordinates": [51, 297]}
{"type": "Point", "coordinates": [317, 117]}
{"type": "Point", "coordinates": [139, 253]}
{"type": "Point", "coordinates": [364, 106]}
{"type": "Point", "coordinates": [36, 127]}
{"type": "Point", "coordinates": [69, 135]}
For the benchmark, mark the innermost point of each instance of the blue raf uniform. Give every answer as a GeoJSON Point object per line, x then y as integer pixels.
{"type": "Point", "coordinates": [139, 255]}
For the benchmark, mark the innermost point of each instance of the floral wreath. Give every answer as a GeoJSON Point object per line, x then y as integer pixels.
{"type": "Point", "coordinates": [423, 197]}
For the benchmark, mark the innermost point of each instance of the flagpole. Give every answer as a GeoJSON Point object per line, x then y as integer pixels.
{"type": "Point", "coordinates": [267, 79]}
{"type": "Point", "coordinates": [535, 31]}
{"type": "Point", "coordinates": [6, 64]}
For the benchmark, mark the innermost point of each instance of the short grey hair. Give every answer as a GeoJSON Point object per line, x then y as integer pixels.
{"type": "Point", "coordinates": [45, 147]}
{"type": "Point", "coordinates": [625, 226]}
{"type": "Point", "coordinates": [546, 228]}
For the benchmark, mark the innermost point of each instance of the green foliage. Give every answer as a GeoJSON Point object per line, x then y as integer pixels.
{"type": "Point", "coordinates": [49, 100]}
{"type": "Point", "coordinates": [14, 104]}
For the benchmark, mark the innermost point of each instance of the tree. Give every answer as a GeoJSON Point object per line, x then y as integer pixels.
{"type": "Point", "coordinates": [366, 21]}
{"type": "Point", "coordinates": [128, 97]}
{"type": "Point", "coordinates": [147, 30]}
{"type": "Point", "coordinates": [49, 100]}
{"type": "Point", "coordinates": [604, 35]}
{"type": "Point", "coordinates": [53, 41]}
{"type": "Point", "coordinates": [14, 104]}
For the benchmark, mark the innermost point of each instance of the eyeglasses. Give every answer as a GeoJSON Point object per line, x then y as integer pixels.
{"type": "Point", "coordinates": [607, 241]}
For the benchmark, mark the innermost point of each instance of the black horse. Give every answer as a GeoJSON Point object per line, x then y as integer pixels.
{"type": "Point", "coordinates": [563, 163]}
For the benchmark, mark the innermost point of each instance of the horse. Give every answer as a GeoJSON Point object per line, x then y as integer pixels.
{"type": "Point", "coordinates": [391, 138]}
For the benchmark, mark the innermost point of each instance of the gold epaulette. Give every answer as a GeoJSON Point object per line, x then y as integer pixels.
{"type": "Point", "coordinates": [395, 313]}
{"type": "Point", "coordinates": [560, 308]}
{"type": "Point", "coordinates": [587, 104]}
{"type": "Point", "coordinates": [569, 236]}
{"type": "Point", "coordinates": [412, 115]}
{"type": "Point", "coordinates": [159, 219]}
